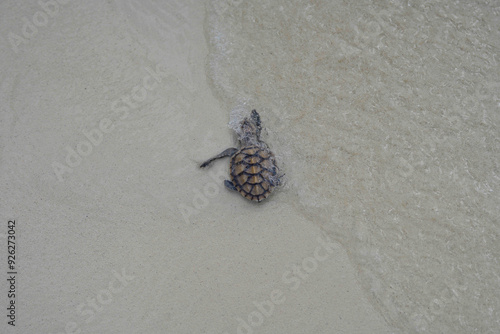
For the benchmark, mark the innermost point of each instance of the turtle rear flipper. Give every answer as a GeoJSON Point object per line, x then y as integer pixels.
{"type": "Point", "coordinates": [229, 185]}
{"type": "Point", "coordinates": [227, 153]}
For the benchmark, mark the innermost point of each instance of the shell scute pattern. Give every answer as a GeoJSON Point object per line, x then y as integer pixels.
{"type": "Point", "coordinates": [252, 170]}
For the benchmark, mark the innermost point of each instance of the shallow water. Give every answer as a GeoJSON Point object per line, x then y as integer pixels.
{"type": "Point", "coordinates": [384, 116]}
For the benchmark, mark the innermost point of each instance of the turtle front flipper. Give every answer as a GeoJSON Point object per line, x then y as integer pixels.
{"type": "Point", "coordinates": [227, 153]}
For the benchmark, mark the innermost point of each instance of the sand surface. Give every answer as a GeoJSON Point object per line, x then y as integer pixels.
{"type": "Point", "coordinates": [387, 130]}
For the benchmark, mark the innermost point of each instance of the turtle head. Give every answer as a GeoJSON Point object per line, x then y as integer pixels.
{"type": "Point", "coordinates": [250, 129]}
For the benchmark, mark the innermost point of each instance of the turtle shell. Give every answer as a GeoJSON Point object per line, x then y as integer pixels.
{"type": "Point", "coordinates": [253, 172]}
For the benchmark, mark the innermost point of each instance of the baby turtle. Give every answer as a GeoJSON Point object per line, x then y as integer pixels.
{"type": "Point", "coordinates": [253, 169]}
